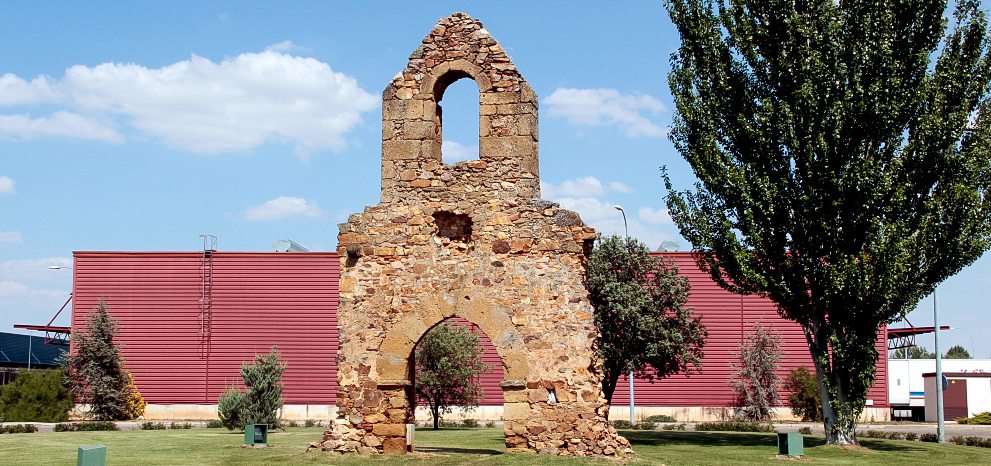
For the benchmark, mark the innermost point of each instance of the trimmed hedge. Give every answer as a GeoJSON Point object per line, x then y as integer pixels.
{"type": "Point", "coordinates": [86, 426]}
{"type": "Point", "coordinates": [734, 426]}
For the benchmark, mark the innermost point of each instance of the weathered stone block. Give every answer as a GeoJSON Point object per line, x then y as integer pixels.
{"type": "Point", "coordinates": [516, 411]}
{"type": "Point", "coordinates": [389, 430]}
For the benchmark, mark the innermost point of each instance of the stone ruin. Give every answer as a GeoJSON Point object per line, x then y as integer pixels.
{"type": "Point", "coordinates": [472, 240]}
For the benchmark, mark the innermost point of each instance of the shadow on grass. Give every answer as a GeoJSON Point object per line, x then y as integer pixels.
{"type": "Point", "coordinates": [461, 451]}
{"type": "Point", "coordinates": [749, 439]}
{"type": "Point", "coordinates": [713, 439]}
{"type": "Point", "coordinates": [880, 445]}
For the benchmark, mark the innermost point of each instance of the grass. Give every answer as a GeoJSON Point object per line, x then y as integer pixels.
{"type": "Point", "coordinates": [456, 446]}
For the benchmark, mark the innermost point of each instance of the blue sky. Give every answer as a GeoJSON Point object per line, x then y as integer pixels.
{"type": "Point", "coordinates": [138, 126]}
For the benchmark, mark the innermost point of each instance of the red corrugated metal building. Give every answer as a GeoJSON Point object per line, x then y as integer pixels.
{"type": "Point", "coordinates": [189, 320]}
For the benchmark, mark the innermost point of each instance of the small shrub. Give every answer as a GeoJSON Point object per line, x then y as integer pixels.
{"type": "Point", "coordinates": [135, 402]}
{"type": "Point", "coordinates": [645, 425]}
{"type": "Point", "coordinates": [804, 400]}
{"type": "Point", "coordinates": [448, 423]}
{"type": "Point", "coordinates": [929, 437]}
{"type": "Point", "coordinates": [261, 403]}
{"type": "Point", "coordinates": [871, 434]}
{"type": "Point", "coordinates": [957, 439]}
{"type": "Point", "coordinates": [621, 424]}
{"type": "Point", "coordinates": [911, 436]}
{"type": "Point", "coordinates": [490, 424]}
{"type": "Point", "coordinates": [231, 409]}
{"type": "Point", "coordinates": [673, 427]}
{"type": "Point", "coordinates": [86, 426]}
{"type": "Point", "coordinates": [661, 418]}
{"type": "Point", "coordinates": [152, 425]}
{"type": "Point", "coordinates": [214, 424]}
{"type": "Point", "coordinates": [469, 423]}
{"type": "Point", "coordinates": [734, 426]}
{"type": "Point", "coordinates": [18, 429]}
{"type": "Point", "coordinates": [286, 424]}
{"type": "Point", "coordinates": [36, 396]}
{"type": "Point", "coordinates": [180, 425]}
{"type": "Point", "coordinates": [805, 430]}
{"type": "Point", "coordinates": [978, 419]}
{"type": "Point", "coordinates": [309, 423]}
{"type": "Point", "coordinates": [895, 436]}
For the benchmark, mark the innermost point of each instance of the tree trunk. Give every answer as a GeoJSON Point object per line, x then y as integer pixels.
{"type": "Point", "coordinates": [845, 365]}
{"type": "Point", "coordinates": [435, 410]}
{"type": "Point", "coordinates": [609, 379]}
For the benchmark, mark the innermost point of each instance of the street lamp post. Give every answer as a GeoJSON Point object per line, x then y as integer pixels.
{"type": "Point", "coordinates": [626, 236]}
{"type": "Point", "coordinates": [939, 374]}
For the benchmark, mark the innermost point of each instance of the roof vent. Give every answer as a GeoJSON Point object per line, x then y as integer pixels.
{"type": "Point", "coordinates": [288, 245]}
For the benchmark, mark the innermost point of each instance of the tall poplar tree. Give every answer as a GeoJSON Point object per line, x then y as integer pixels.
{"type": "Point", "coordinates": [842, 155]}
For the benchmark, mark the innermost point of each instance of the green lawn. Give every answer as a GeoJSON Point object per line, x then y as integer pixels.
{"type": "Point", "coordinates": [455, 446]}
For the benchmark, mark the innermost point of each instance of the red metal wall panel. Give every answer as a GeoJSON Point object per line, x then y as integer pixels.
{"type": "Point", "coordinates": [258, 300]}
{"type": "Point", "coordinates": [728, 317]}
{"type": "Point", "coordinates": [290, 300]}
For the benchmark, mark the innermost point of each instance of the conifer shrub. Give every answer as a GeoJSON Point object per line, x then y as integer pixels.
{"type": "Point", "coordinates": [95, 370]}
{"type": "Point", "coordinates": [978, 419]}
{"type": "Point", "coordinates": [39, 395]}
{"type": "Point", "coordinates": [261, 402]}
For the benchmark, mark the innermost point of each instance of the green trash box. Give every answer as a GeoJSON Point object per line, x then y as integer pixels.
{"type": "Point", "coordinates": [791, 444]}
{"type": "Point", "coordinates": [256, 435]}
{"type": "Point", "coordinates": [92, 455]}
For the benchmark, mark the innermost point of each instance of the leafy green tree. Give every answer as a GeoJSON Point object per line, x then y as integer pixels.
{"type": "Point", "coordinates": [448, 366]}
{"type": "Point", "coordinates": [842, 152]}
{"type": "Point", "coordinates": [804, 399]}
{"type": "Point", "coordinates": [639, 301]}
{"type": "Point", "coordinates": [94, 369]}
{"type": "Point", "coordinates": [261, 402]}
{"type": "Point", "coordinates": [39, 396]}
{"type": "Point", "coordinates": [913, 352]}
{"type": "Point", "coordinates": [956, 352]}
{"type": "Point", "coordinates": [755, 380]}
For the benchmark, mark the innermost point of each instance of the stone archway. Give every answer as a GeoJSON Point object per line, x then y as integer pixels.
{"type": "Point", "coordinates": [474, 240]}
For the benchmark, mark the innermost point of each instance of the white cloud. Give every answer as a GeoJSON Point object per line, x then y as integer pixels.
{"type": "Point", "coordinates": [607, 107]}
{"type": "Point", "coordinates": [283, 207]}
{"type": "Point", "coordinates": [588, 186]}
{"type": "Point", "coordinates": [198, 105]}
{"type": "Point", "coordinates": [617, 186]}
{"type": "Point", "coordinates": [9, 289]}
{"type": "Point", "coordinates": [62, 123]}
{"type": "Point", "coordinates": [10, 237]}
{"type": "Point", "coordinates": [33, 269]}
{"type": "Point", "coordinates": [16, 91]}
{"type": "Point", "coordinates": [284, 46]}
{"type": "Point", "coordinates": [656, 216]}
{"type": "Point", "coordinates": [579, 187]}
{"type": "Point", "coordinates": [590, 198]}
{"type": "Point", "coordinates": [6, 185]}
{"type": "Point", "coordinates": [454, 152]}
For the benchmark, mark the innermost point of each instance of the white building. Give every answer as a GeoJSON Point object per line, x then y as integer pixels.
{"type": "Point", "coordinates": [907, 389]}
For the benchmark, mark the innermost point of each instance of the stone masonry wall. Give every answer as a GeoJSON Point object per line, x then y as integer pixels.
{"type": "Point", "coordinates": [473, 240]}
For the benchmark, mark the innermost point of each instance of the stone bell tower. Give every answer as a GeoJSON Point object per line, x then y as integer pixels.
{"type": "Point", "coordinates": [472, 240]}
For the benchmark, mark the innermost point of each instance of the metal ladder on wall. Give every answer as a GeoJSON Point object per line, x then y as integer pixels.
{"type": "Point", "coordinates": [206, 294]}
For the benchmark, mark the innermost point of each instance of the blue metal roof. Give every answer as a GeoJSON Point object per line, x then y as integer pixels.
{"type": "Point", "coordinates": [14, 350]}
